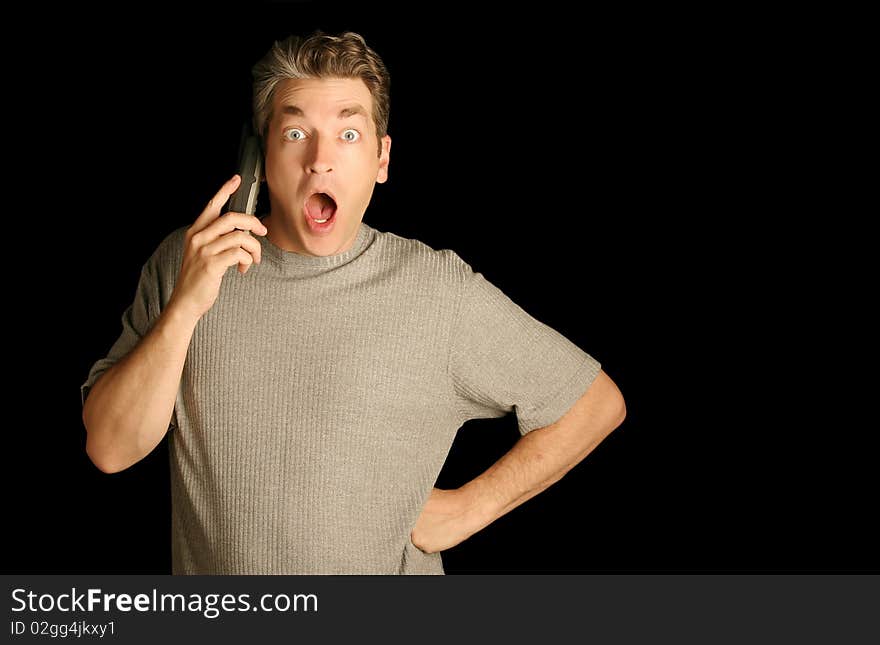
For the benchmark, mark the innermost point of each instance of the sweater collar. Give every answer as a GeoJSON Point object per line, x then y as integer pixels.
{"type": "Point", "coordinates": [297, 264]}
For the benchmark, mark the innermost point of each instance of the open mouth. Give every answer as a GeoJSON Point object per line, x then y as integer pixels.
{"type": "Point", "coordinates": [320, 208]}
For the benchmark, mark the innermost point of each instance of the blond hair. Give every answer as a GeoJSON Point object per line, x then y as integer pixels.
{"type": "Point", "coordinates": [321, 56]}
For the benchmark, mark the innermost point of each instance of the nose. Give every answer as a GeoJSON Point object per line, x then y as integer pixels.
{"type": "Point", "coordinates": [320, 159]}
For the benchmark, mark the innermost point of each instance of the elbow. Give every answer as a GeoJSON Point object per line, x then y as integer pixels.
{"type": "Point", "coordinates": [620, 410]}
{"type": "Point", "coordinates": [613, 413]}
{"type": "Point", "coordinates": [105, 463]}
{"type": "Point", "coordinates": [97, 451]}
{"type": "Point", "coordinates": [614, 405]}
{"type": "Point", "coordinates": [102, 459]}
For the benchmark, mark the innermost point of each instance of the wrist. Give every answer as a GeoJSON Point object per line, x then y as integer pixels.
{"type": "Point", "coordinates": [476, 508]}
{"type": "Point", "coordinates": [177, 319]}
{"type": "Point", "coordinates": [179, 316]}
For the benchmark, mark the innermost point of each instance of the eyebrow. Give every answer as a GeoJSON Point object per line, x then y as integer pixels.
{"type": "Point", "coordinates": [344, 113]}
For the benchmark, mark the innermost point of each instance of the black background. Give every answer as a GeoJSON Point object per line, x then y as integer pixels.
{"type": "Point", "coordinates": [630, 179]}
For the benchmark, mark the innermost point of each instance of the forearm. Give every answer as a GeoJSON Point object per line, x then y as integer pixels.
{"type": "Point", "coordinates": [543, 456]}
{"type": "Point", "coordinates": [128, 409]}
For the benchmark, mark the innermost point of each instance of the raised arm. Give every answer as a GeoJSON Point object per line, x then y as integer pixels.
{"type": "Point", "coordinates": [129, 408]}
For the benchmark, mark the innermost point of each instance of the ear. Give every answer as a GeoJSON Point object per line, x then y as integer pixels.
{"type": "Point", "coordinates": [384, 159]}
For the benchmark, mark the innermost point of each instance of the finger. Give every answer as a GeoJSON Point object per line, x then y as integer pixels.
{"type": "Point", "coordinates": [212, 210]}
{"type": "Point", "coordinates": [235, 256]}
{"type": "Point", "coordinates": [243, 266]}
{"type": "Point", "coordinates": [232, 221]}
{"type": "Point", "coordinates": [236, 239]}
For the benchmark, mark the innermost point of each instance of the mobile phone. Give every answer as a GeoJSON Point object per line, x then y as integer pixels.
{"type": "Point", "coordinates": [250, 167]}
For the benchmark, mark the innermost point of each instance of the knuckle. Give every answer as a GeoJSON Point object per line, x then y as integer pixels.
{"type": "Point", "coordinates": [189, 236]}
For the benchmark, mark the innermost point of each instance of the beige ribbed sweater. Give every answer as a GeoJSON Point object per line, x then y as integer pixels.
{"type": "Point", "coordinates": [320, 397]}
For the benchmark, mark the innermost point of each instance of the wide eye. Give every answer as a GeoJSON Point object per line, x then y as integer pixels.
{"type": "Point", "coordinates": [350, 135]}
{"type": "Point", "coordinates": [294, 134]}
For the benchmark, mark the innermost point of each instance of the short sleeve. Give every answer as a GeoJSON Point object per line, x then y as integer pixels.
{"type": "Point", "coordinates": [502, 360]}
{"type": "Point", "coordinates": [137, 320]}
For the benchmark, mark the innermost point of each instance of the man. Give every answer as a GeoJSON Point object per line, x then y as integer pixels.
{"type": "Point", "coordinates": [312, 398]}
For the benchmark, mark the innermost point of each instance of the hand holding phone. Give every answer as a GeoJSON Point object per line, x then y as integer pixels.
{"type": "Point", "coordinates": [212, 244]}
{"type": "Point", "coordinates": [221, 236]}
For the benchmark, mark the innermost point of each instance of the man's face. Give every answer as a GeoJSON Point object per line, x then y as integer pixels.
{"type": "Point", "coordinates": [322, 162]}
